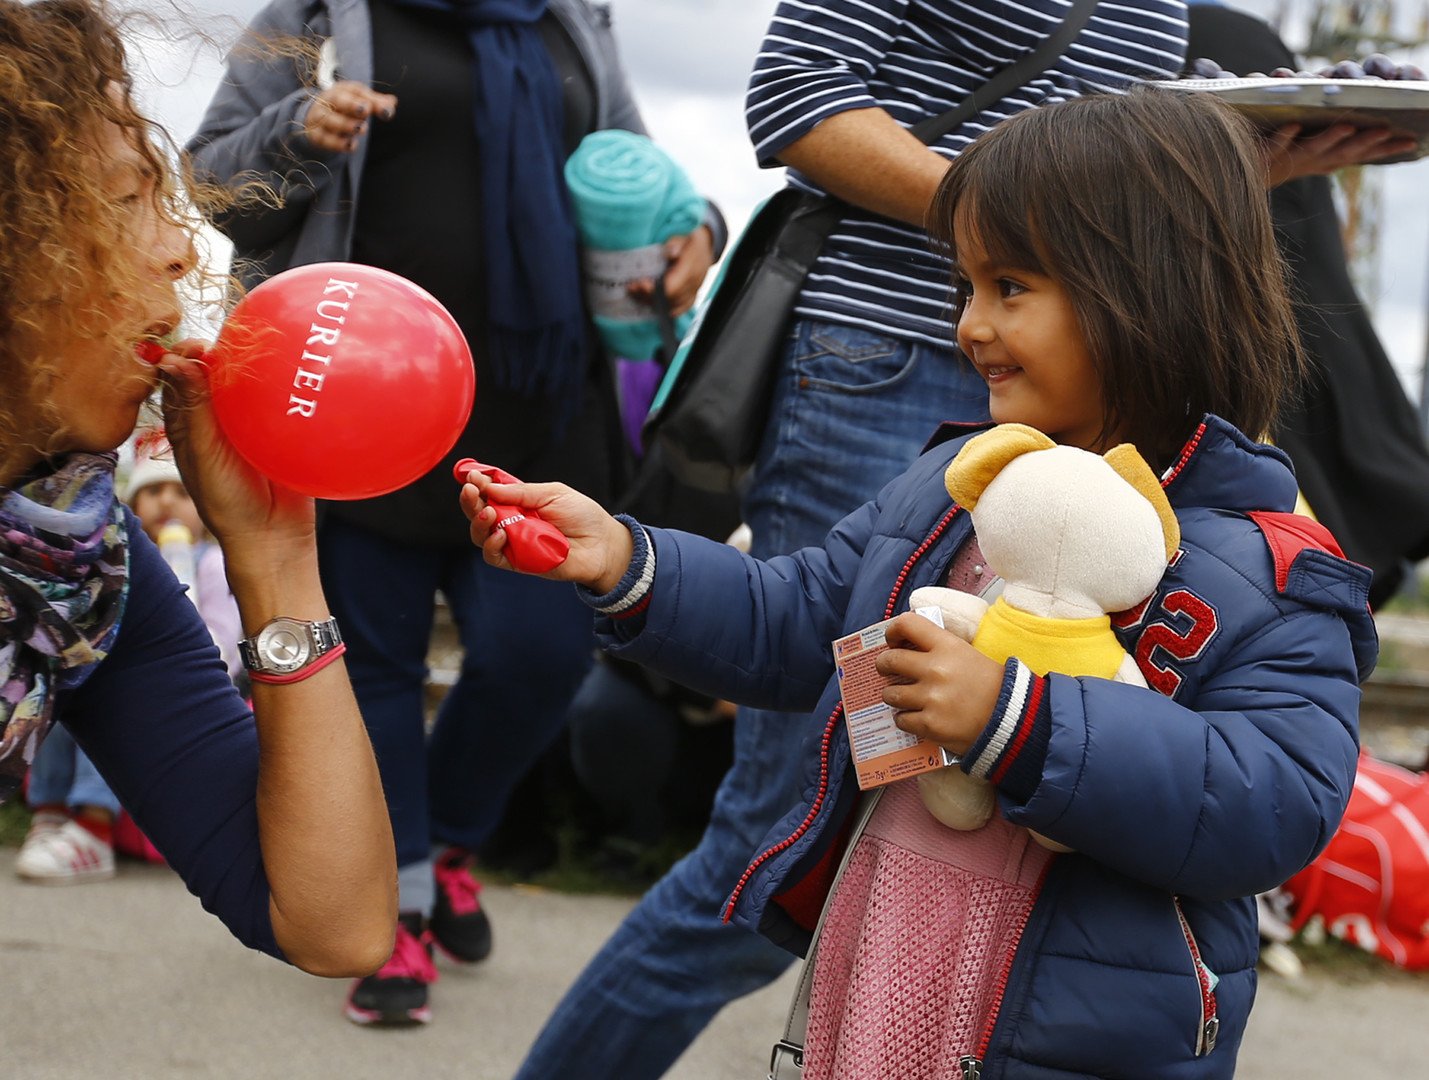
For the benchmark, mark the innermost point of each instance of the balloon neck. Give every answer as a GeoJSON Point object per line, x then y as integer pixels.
{"type": "Point", "coordinates": [463, 469]}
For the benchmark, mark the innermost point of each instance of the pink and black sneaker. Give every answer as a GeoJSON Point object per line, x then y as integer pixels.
{"type": "Point", "coordinates": [459, 925]}
{"type": "Point", "coordinates": [397, 993]}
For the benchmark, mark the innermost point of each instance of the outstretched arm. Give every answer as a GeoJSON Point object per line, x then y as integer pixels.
{"type": "Point", "coordinates": [323, 826]}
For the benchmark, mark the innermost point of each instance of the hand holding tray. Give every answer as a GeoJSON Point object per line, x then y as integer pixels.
{"type": "Point", "coordinates": [1315, 103]}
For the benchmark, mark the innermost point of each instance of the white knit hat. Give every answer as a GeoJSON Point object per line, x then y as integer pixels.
{"type": "Point", "coordinates": [153, 464]}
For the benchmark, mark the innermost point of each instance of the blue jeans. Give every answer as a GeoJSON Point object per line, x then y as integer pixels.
{"type": "Point", "coordinates": [62, 775]}
{"type": "Point", "coordinates": [851, 410]}
{"type": "Point", "coordinates": [527, 642]}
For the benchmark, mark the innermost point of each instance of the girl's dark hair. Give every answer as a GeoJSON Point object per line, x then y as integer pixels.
{"type": "Point", "coordinates": [1149, 209]}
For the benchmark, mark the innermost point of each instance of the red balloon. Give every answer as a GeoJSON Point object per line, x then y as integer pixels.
{"type": "Point", "coordinates": [341, 381]}
{"type": "Point", "coordinates": [533, 544]}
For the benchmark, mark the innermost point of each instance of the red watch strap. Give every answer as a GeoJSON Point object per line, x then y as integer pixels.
{"type": "Point", "coordinates": [303, 672]}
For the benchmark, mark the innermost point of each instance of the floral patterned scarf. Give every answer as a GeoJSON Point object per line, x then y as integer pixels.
{"type": "Point", "coordinates": [64, 574]}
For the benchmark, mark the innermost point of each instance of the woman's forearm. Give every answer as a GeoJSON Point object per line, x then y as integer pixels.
{"type": "Point", "coordinates": [322, 819]}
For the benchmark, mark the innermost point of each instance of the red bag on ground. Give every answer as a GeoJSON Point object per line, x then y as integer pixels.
{"type": "Point", "coordinates": [1371, 884]}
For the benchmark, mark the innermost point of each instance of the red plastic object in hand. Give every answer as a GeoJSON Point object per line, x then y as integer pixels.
{"type": "Point", "coordinates": [150, 351]}
{"type": "Point", "coordinates": [533, 544]}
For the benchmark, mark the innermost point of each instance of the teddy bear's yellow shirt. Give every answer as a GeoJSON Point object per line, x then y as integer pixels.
{"type": "Point", "coordinates": [1066, 646]}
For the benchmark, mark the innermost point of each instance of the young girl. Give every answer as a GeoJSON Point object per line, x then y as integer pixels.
{"type": "Point", "coordinates": [1118, 281]}
{"type": "Point", "coordinates": [275, 820]}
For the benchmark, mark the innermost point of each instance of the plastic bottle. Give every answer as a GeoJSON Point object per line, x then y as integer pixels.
{"type": "Point", "coordinates": [176, 545]}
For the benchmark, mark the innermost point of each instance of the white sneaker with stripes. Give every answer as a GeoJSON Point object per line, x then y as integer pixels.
{"type": "Point", "coordinates": [63, 854]}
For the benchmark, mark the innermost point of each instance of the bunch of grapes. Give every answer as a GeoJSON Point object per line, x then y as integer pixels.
{"type": "Point", "coordinates": [1375, 66]}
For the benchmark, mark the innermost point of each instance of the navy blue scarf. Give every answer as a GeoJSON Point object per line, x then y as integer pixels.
{"type": "Point", "coordinates": [537, 324]}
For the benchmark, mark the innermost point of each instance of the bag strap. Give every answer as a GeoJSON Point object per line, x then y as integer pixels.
{"type": "Point", "coordinates": [787, 1058]}
{"type": "Point", "coordinates": [1009, 78]}
{"type": "Point", "coordinates": [665, 322]}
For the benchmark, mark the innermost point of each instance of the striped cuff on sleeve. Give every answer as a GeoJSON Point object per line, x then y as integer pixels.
{"type": "Point", "coordinates": [1011, 750]}
{"type": "Point", "coordinates": [632, 594]}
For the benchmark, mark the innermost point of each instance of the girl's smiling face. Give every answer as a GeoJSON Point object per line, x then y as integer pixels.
{"type": "Point", "coordinates": [1020, 331]}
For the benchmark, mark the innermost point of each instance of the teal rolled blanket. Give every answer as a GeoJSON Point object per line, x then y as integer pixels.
{"type": "Point", "coordinates": [629, 197]}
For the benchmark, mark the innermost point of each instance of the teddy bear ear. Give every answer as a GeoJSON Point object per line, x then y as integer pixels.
{"type": "Point", "coordinates": [984, 456]}
{"type": "Point", "coordinates": [1131, 467]}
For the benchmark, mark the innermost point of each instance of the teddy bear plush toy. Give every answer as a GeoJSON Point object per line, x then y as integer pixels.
{"type": "Point", "coordinates": [1074, 536]}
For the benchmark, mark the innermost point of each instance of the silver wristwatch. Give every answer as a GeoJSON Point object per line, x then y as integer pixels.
{"type": "Point", "coordinates": [285, 645]}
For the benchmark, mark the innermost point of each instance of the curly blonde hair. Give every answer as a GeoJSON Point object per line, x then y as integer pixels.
{"type": "Point", "coordinates": [65, 255]}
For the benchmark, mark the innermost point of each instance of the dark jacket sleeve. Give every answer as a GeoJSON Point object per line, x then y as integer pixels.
{"type": "Point", "coordinates": [755, 633]}
{"type": "Point", "coordinates": [250, 140]}
{"type": "Point", "coordinates": [1353, 433]}
{"type": "Point", "coordinates": [170, 734]}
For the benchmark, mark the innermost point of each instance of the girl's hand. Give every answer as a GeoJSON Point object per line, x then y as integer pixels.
{"type": "Point", "coordinates": [601, 547]}
{"type": "Point", "coordinates": [243, 509]}
{"type": "Point", "coordinates": [1289, 155]}
{"type": "Point", "coordinates": [945, 690]}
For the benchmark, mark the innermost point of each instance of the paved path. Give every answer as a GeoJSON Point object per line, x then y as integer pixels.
{"type": "Point", "coordinates": [131, 980]}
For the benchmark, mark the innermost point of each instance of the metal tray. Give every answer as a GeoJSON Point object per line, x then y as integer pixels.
{"type": "Point", "coordinates": [1319, 103]}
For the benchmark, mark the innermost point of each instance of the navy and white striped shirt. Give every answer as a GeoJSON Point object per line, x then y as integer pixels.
{"type": "Point", "coordinates": [915, 59]}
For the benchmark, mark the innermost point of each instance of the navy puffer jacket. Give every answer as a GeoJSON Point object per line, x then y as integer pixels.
{"type": "Point", "coordinates": [1181, 802]}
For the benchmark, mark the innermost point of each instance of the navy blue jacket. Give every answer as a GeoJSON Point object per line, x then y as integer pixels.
{"type": "Point", "coordinates": [1139, 957]}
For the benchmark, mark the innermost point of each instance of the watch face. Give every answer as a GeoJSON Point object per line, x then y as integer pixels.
{"type": "Point", "coordinates": [284, 648]}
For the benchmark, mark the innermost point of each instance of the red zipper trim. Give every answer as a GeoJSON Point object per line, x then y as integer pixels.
{"type": "Point", "coordinates": [1186, 452]}
{"type": "Point", "coordinates": [985, 1039]}
{"type": "Point", "coordinates": [829, 728]}
{"type": "Point", "coordinates": [1210, 1022]}
{"type": "Point", "coordinates": [928, 542]}
{"type": "Point", "coordinates": [803, 825]}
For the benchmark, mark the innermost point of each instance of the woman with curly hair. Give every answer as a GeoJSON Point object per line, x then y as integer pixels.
{"type": "Point", "coordinates": [273, 817]}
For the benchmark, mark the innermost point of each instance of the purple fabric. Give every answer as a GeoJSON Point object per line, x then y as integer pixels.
{"type": "Point", "coordinates": [218, 607]}
{"type": "Point", "coordinates": [636, 382]}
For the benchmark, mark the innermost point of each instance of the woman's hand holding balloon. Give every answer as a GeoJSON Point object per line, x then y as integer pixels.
{"type": "Point", "coordinates": [247, 512]}
{"type": "Point", "coordinates": [600, 546]}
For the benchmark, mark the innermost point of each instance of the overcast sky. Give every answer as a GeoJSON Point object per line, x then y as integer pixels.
{"type": "Point", "coordinates": [689, 60]}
